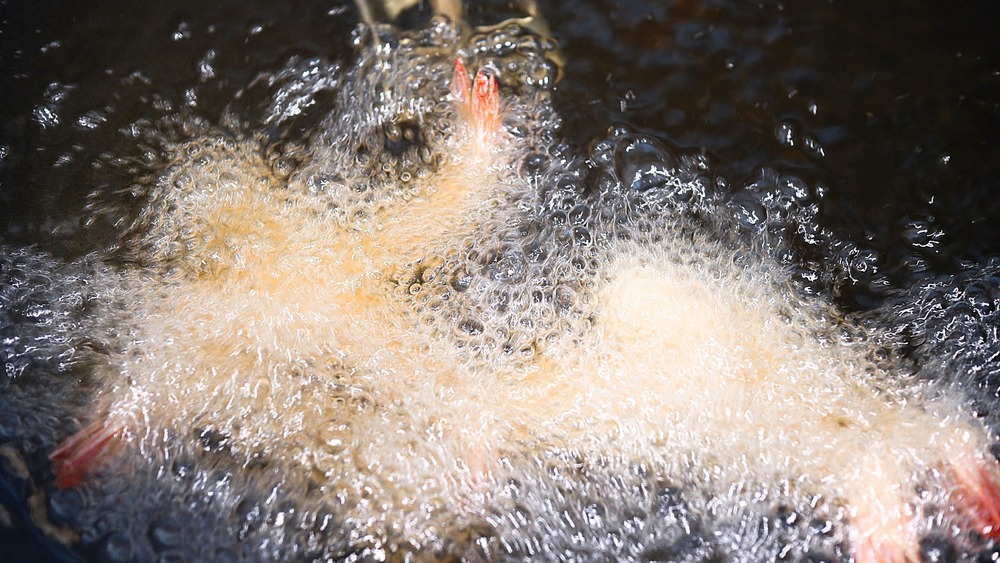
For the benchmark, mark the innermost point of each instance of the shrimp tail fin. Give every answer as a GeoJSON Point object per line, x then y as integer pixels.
{"type": "Point", "coordinates": [81, 453]}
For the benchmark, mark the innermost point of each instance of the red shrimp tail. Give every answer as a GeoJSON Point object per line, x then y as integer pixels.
{"type": "Point", "coordinates": [977, 494]}
{"type": "Point", "coordinates": [83, 452]}
{"type": "Point", "coordinates": [460, 85]}
{"type": "Point", "coordinates": [485, 105]}
{"type": "Point", "coordinates": [478, 102]}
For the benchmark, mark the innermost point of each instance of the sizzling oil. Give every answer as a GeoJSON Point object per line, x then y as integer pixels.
{"type": "Point", "coordinates": [490, 447]}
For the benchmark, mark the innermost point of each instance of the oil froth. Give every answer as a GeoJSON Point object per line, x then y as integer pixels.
{"type": "Point", "coordinates": [455, 348]}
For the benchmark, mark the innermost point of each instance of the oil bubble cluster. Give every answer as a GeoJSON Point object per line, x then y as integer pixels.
{"type": "Point", "coordinates": [393, 339]}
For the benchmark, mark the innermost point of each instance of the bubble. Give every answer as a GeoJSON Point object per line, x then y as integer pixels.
{"type": "Point", "coordinates": [116, 547]}
{"type": "Point", "coordinates": [471, 327]}
{"type": "Point", "coordinates": [643, 163]}
{"type": "Point", "coordinates": [788, 133]}
{"type": "Point", "coordinates": [533, 164]}
{"type": "Point", "coordinates": [511, 267]}
{"type": "Point", "coordinates": [64, 506]}
{"type": "Point", "coordinates": [167, 533]}
{"type": "Point", "coordinates": [582, 236]}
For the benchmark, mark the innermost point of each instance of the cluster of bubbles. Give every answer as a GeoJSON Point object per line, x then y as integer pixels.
{"type": "Point", "coordinates": [522, 281]}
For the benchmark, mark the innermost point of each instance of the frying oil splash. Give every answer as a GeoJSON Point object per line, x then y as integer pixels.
{"type": "Point", "coordinates": [440, 330]}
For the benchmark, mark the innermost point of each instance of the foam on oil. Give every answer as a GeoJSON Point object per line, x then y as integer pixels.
{"type": "Point", "coordinates": [410, 345]}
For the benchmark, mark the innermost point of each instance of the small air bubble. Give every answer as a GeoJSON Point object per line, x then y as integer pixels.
{"type": "Point", "coordinates": [166, 533]}
{"type": "Point", "coordinates": [786, 133]}
{"type": "Point", "coordinates": [644, 163]}
{"type": "Point", "coordinates": [471, 327]}
{"type": "Point", "coordinates": [182, 32]}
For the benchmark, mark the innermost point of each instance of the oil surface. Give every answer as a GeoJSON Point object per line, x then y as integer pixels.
{"type": "Point", "coordinates": [807, 137]}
